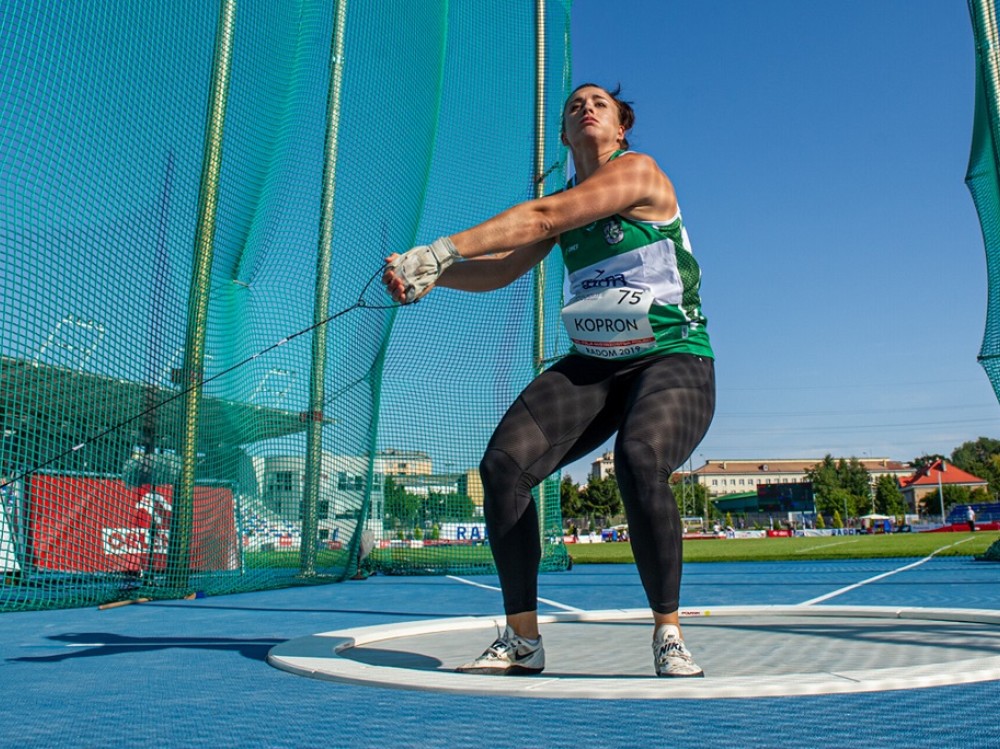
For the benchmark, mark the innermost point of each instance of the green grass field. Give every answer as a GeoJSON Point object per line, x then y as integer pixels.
{"type": "Point", "coordinates": [785, 549]}
{"type": "Point", "coordinates": [899, 545]}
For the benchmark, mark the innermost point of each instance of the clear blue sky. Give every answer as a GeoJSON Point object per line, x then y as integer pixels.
{"type": "Point", "coordinates": [819, 154]}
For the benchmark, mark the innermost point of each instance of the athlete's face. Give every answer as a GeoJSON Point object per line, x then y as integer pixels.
{"type": "Point", "coordinates": [591, 114]}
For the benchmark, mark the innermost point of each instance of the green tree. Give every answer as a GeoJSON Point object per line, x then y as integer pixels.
{"type": "Point", "coordinates": [434, 507]}
{"type": "Point", "coordinates": [442, 507]}
{"type": "Point", "coordinates": [701, 503]}
{"type": "Point", "coordinates": [842, 501]}
{"type": "Point", "coordinates": [692, 497]}
{"type": "Point", "coordinates": [840, 485]}
{"type": "Point", "coordinates": [930, 504]}
{"type": "Point", "coordinates": [401, 507]}
{"type": "Point", "coordinates": [823, 477]}
{"type": "Point", "coordinates": [408, 509]}
{"type": "Point", "coordinates": [855, 478]}
{"type": "Point", "coordinates": [889, 497]}
{"type": "Point", "coordinates": [980, 496]}
{"type": "Point", "coordinates": [569, 498]}
{"type": "Point", "coordinates": [838, 522]}
{"type": "Point", "coordinates": [980, 458]}
{"type": "Point", "coordinates": [689, 495]}
{"type": "Point", "coordinates": [925, 460]}
{"type": "Point", "coordinates": [464, 507]}
{"type": "Point", "coordinates": [601, 497]}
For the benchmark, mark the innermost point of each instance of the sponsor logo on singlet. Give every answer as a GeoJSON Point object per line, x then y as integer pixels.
{"type": "Point", "coordinates": [601, 281]}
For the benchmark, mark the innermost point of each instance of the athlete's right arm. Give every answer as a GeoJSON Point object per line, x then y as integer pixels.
{"type": "Point", "coordinates": [489, 272]}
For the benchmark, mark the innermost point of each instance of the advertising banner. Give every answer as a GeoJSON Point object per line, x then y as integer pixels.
{"type": "Point", "coordinates": [88, 524]}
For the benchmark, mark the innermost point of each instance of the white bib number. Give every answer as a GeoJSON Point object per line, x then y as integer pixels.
{"type": "Point", "coordinates": [611, 323]}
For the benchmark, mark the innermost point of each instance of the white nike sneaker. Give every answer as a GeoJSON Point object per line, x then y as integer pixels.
{"type": "Point", "coordinates": [670, 657]}
{"type": "Point", "coordinates": [510, 654]}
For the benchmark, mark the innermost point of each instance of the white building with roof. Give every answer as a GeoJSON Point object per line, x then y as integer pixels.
{"type": "Point", "coordinates": [728, 476]}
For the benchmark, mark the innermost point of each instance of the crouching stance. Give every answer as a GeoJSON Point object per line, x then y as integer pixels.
{"type": "Point", "coordinates": [641, 368]}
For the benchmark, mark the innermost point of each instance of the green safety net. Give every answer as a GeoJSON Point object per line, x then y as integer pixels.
{"type": "Point", "coordinates": [203, 387]}
{"type": "Point", "coordinates": [983, 180]}
{"type": "Point", "coordinates": [983, 175]}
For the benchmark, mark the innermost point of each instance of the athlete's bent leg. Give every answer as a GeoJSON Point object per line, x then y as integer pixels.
{"type": "Point", "coordinates": [670, 408]}
{"type": "Point", "coordinates": [563, 414]}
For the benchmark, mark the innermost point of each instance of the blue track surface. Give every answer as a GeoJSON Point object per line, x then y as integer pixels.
{"type": "Point", "coordinates": [192, 673]}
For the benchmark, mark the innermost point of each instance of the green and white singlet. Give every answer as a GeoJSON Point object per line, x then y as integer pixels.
{"type": "Point", "coordinates": [633, 289]}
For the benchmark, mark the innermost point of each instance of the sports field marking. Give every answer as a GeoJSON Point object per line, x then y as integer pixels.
{"type": "Point", "coordinates": [919, 562]}
{"type": "Point", "coordinates": [826, 546]}
{"type": "Point", "coordinates": [555, 604]}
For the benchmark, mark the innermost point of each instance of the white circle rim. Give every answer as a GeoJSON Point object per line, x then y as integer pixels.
{"type": "Point", "coordinates": [321, 656]}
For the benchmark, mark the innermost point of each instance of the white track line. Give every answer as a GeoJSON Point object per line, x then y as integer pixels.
{"type": "Point", "coordinates": [818, 547]}
{"type": "Point", "coordinates": [836, 593]}
{"type": "Point", "coordinates": [555, 604]}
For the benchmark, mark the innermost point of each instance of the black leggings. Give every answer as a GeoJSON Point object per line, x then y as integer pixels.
{"type": "Point", "coordinates": [660, 406]}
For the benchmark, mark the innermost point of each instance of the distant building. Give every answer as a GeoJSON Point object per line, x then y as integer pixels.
{"type": "Point", "coordinates": [344, 485]}
{"type": "Point", "coordinates": [736, 476]}
{"type": "Point", "coordinates": [471, 485]}
{"type": "Point", "coordinates": [939, 473]}
{"type": "Point", "coordinates": [393, 462]}
{"type": "Point", "coordinates": [603, 466]}
{"type": "Point", "coordinates": [342, 482]}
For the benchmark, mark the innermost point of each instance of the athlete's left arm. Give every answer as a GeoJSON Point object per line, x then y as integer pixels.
{"type": "Point", "coordinates": [632, 184]}
{"type": "Point", "coordinates": [490, 272]}
{"type": "Point", "coordinates": [485, 273]}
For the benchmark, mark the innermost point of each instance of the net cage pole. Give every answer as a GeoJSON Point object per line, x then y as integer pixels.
{"type": "Point", "coordinates": [321, 309]}
{"type": "Point", "coordinates": [984, 22]}
{"type": "Point", "coordinates": [182, 520]}
{"type": "Point", "coordinates": [982, 178]}
{"type": "Point", "coordinates": [539, 272]}
{"type": "Point", "coordinates": [539, 275]}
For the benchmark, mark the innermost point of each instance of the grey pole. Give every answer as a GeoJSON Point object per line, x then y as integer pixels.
{"type": "Point", "coordinates": [321, 308]}
{"type": "Point", "coordinates": [539, 273]}
{"type": "Point", "coordinates": [182, 516]}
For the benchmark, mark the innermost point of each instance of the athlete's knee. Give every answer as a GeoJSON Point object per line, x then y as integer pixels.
{"type": "Point", "coordinates": [496, 469]}
{"type": "Point", "coordinates": [640, 461]}
{"type": "Point", "coordinates": [506, 488]}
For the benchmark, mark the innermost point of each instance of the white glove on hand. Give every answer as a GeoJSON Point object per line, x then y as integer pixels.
{"type": "Point", "coordinates": [419, 268]}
